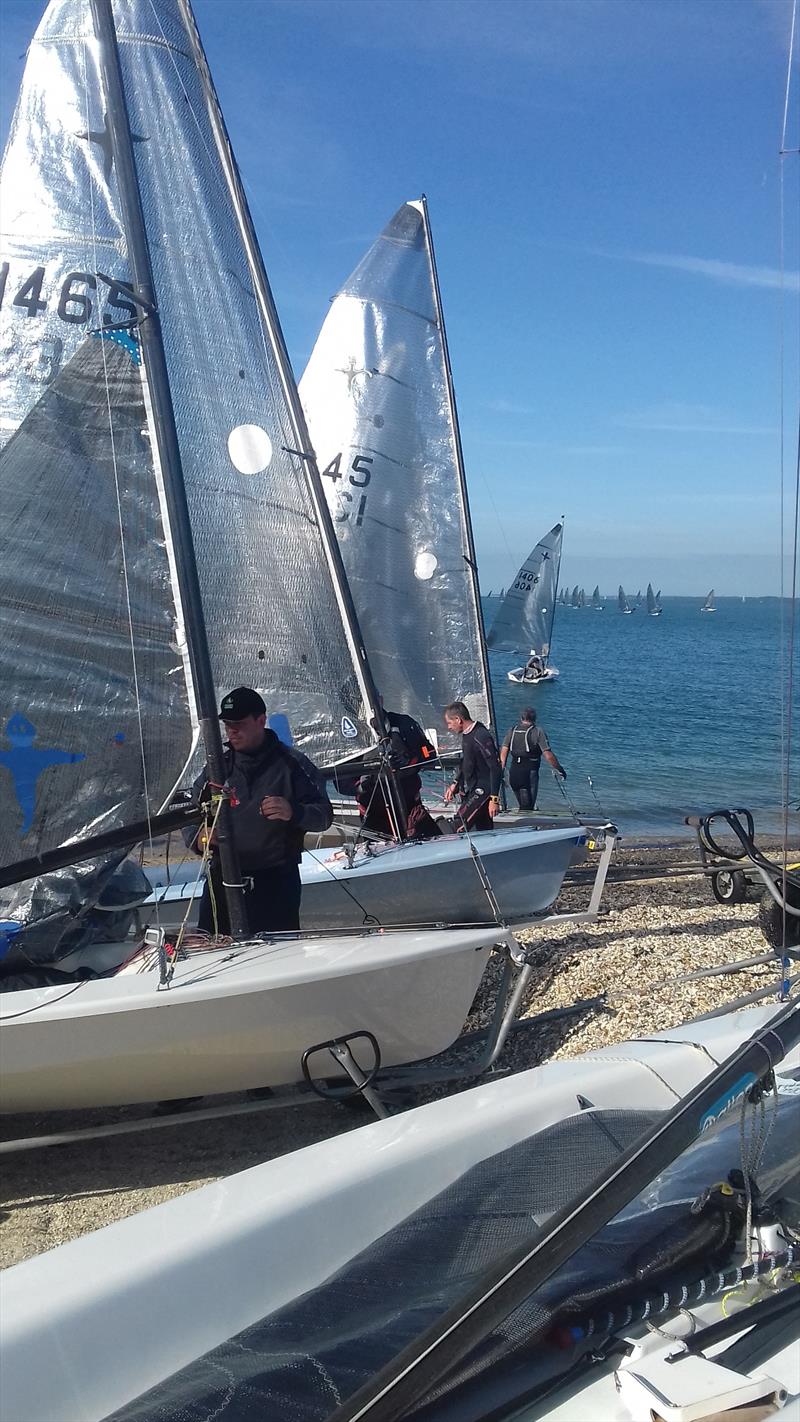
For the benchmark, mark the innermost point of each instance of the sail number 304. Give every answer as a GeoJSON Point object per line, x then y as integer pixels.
{"type": "Point", "coordinates": [359, 475]}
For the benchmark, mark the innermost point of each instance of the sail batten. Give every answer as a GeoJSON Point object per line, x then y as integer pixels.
{"type": "Point", "coordinates": [525, 618]}
{"type": "Point", "coordinates": [381, 419]}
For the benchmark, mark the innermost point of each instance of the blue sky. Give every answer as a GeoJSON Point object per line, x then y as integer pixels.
{"type": "Point", "coordinates": [603, 180]}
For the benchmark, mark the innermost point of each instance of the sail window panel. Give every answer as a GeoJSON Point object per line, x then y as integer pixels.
{"type": "Point", "coordinates": [268, 598]}
{"type": "Point", "coordinates": [376, 400]}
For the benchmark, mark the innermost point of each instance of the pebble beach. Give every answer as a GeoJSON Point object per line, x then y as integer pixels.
{"type": "Point", "coordinates": [643, 956]}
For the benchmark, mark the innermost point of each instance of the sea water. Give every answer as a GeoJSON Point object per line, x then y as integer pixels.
{"type": "Point", "coordinates": [669, 716]}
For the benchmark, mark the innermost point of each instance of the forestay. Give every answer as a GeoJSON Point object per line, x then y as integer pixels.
{"type": "Point", "coordinates": [381, 417]}
{"type": "Point", "coordinates": [525, 617]}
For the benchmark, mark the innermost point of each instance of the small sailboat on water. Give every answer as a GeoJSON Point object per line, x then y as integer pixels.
{"type": "Point", "coordinates": [654, 608]}
{"type": "Point", "coordinates": [622, 602]}
{"type": "Point", "coordinates": [597, 601]}
{"type": "Point", "coordinates": [710, 604]}
{"type": "Point", "coordinates": [525, 617]}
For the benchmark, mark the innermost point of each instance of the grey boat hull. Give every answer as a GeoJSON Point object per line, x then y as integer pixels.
{"type": "Point", "coordinates": [438, 881]}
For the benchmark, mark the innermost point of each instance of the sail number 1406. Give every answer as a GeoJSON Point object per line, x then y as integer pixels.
{"type": "Point", "coordinates": [359, 476]}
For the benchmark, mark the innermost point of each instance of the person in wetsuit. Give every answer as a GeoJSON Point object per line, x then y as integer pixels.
{"type": "Point", "coordinates": [276, 797]}
{"type": "Point", "coordinates": [481, 774]}
{"type": "Point", "coordinates": [406, 746]}
{"type": "Point", "coordinates": [524, 745]}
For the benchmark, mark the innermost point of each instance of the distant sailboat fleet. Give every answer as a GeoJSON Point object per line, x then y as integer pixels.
{"type": "Point", "coordinates": [527, 611]}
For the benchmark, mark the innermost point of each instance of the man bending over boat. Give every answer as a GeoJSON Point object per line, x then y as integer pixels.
{"type": "Point", "coordinates": [406, 746]}
{"type": "Point", "coordinates": [525, 744]}
{"type": "Point", "coordinates": [479, 779]}
{"type": "Point", "coordinates": [276, 796]}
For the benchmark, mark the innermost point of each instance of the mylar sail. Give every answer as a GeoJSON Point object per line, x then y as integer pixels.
{"type": "Point", "coordinates": [269, 602]}
{"type": "Point", "coordinates": [95, 713]}
{"type": "Point", "coordinates": [525, 618]}
{"type": "Point", "coordinates": [381, 415]}
{"type": "Point", "coordinates": [597, 601]}
{"type": "Point", "coordinates": [622, 601]}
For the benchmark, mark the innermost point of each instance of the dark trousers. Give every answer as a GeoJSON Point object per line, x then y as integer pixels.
{"type": "Point", "coordinates": [524, 781]}
{"type": "Point", "coordinates": [473, 812]}
{"type": "Point", "coordinates": [272, 903]}
{"type": "Point", "coordinates": [371, 799]}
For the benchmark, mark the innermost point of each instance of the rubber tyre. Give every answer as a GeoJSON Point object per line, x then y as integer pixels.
{"type": "Point", "coordinates": [729, 886]}
{"type": "Point", "coordinates": [770, 921]}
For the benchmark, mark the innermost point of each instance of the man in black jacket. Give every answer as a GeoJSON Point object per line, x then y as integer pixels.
{"type": "Point", "coordinates": [479, 780]}
{"type": "Point", "coordinates": [276, 797]}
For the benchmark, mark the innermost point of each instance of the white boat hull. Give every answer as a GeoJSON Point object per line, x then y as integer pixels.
{"type": "Point", "coordinates": [243, 1247]}
{"type": "Point", "coordinates": [235, 1018]}
{"type": "Point", "coordinates": [435, 881]}
{"type": "Point", "coordinates": [518, 676]}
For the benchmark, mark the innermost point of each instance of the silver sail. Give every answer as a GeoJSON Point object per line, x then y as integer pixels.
{"type": "Point", "coordinates": [525, 618]}
{"type": "Point", "coordinates": [269, 603]}
{"type": "Point", "coordinates": [95, 719]}
{"type": "Point", "coordinates": [381, 419]}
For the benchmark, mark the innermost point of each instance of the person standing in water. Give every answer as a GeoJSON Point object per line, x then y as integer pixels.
{"type": "Point", "coordinates": [525, 744]}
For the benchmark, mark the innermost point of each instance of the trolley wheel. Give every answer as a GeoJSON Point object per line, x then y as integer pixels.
{"type": "Point", "coordinates": [729, 886]}
{"type": "Point", "coordinates": [770, 921]}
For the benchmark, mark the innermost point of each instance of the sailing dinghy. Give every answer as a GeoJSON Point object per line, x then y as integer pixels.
{"type": "Point", "coordinates": [710, 603]}
{"type": "Point", "coordinates": [622, 602]}
{"type": "Point", "coordinates": [654, 608]}
{"type": "Point", "coordinates": [505, 1249]}
{"type": "Point", "coordinates": [525, 617]}
{"type": "Point", "coordinates": [597, 602]}
{"type": "Point", "coordinates": [115, 642]}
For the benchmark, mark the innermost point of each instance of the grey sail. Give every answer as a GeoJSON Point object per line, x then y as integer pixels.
{"type": "Point", "coordinates": [381, 417]}
{"type": "Point", "coordinates": [96, 719]}
{"type": "Point", "coordinates": [651, 598]}
{"type": "Point", "coordinates": [269, 601]}
{"type": "Point", "coordinates": [597, 601]}
{"type": "Point", "coordinates": [525, 618]}
{"type": "Point", "coordinates": [96, 722]}
{"type": "Point", "coordinates": [622, 601]}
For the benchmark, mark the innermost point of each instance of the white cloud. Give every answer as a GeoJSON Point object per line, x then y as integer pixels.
{"type": "Point", "coordinates": [675, 417]}
{"type": "Point", "coordinates": [728, 273]}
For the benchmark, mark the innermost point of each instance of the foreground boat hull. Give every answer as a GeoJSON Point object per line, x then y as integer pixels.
{"type": "Point", "coordinates": [261, 1238]}
{"type": "Point", "coordinates": [235, 1019]}
{"type": "Point", "coordinates": [416, 883]}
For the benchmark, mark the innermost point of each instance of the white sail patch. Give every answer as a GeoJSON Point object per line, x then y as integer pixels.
{"type": "Point", "coordinates": [250, 449]}
{"type": "Point", "coordinates": [425, 565]}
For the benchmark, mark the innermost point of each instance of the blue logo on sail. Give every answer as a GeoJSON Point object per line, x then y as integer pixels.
{"type": "Point", "coordinates": [25, 762]}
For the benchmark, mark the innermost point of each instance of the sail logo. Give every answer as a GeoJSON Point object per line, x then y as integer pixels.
{"type": "Point", "coordinates": [349, 729]}
{"type": "Point", "coordinates": [25, 762]}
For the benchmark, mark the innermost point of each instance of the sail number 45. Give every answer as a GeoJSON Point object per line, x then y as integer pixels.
{"type": "Point", "coordinates": [359, 476]}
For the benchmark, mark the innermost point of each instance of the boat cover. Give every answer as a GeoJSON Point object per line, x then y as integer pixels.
{"type": "Point", "coordinates": [300, 1363]}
